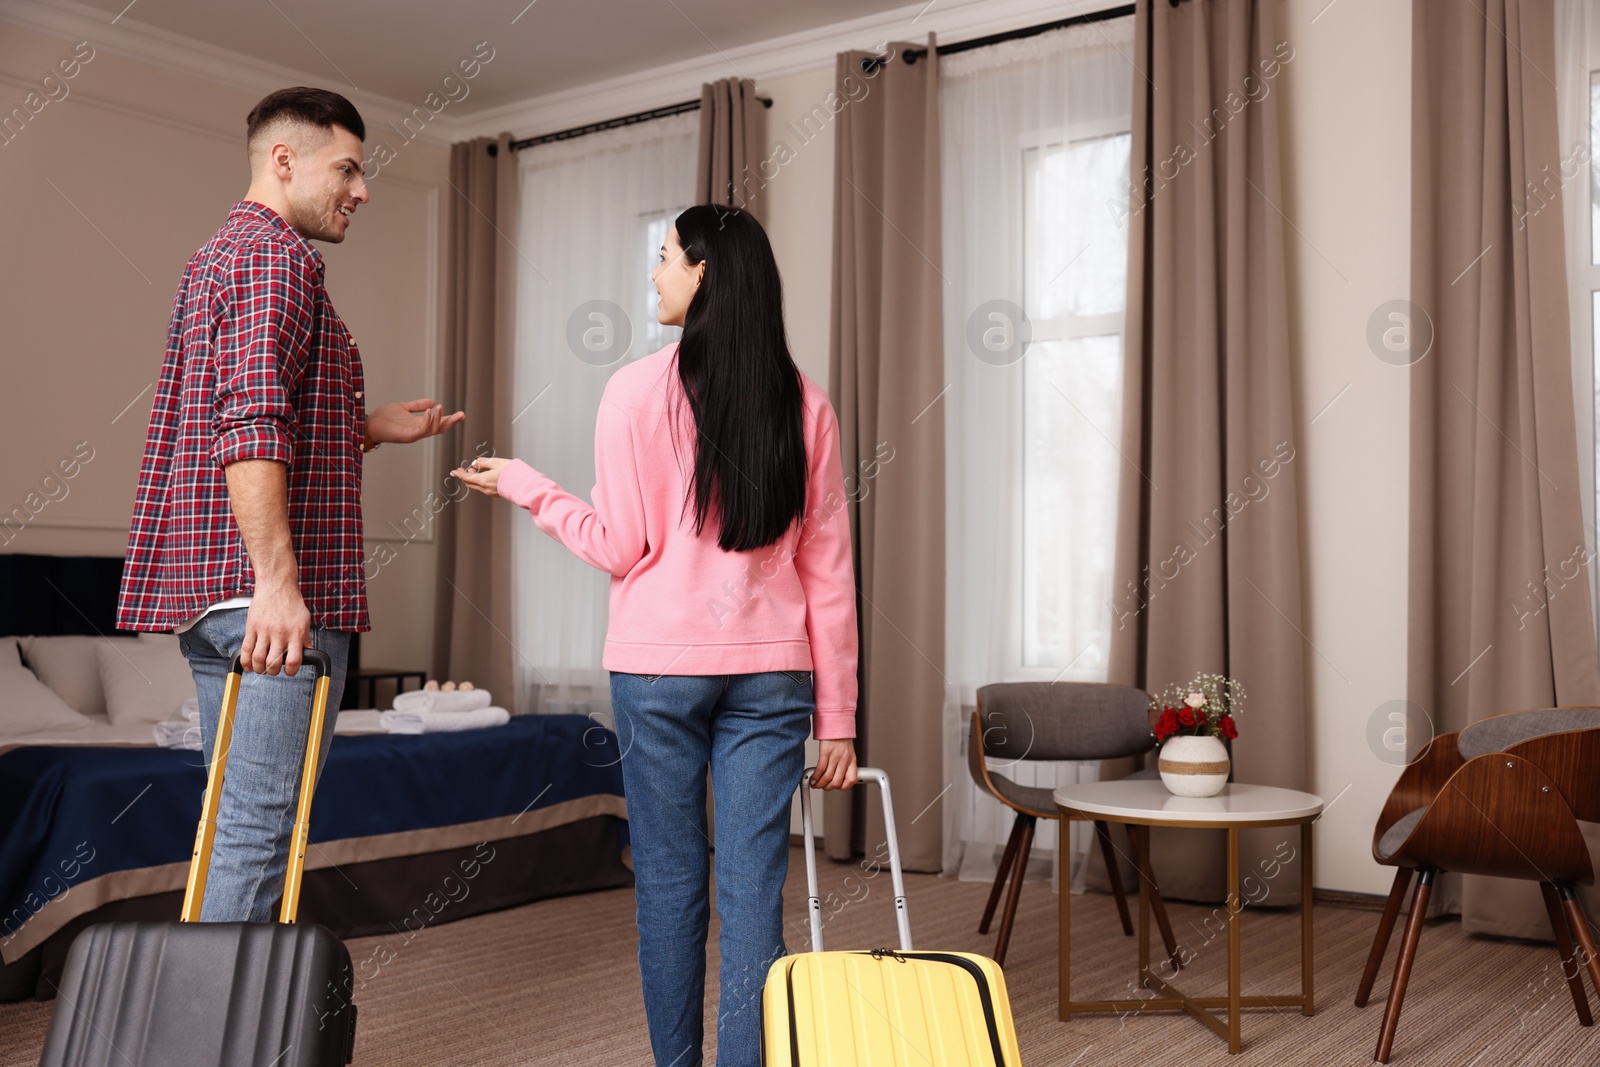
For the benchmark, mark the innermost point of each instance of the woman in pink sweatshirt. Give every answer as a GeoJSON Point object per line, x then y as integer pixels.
{"type": "Point", "coordinates": [719, 512]}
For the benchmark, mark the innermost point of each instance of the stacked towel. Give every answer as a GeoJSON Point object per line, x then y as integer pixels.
{"type": "Point", "coordinates": [359, 721]}
{"type": "Point", "coordinates": [432, 722]}
{"type": "Point", "coordinates": [182, 732]}
{"type": "Point", "coordinates": [435, 700]}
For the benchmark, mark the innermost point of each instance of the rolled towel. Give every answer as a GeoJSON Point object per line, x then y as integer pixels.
{"type": "Point", "coordinates": [453, 702]}
{"type": "Point", "coordinates": [432, 722]}
{"type": "Point", "coordinates": [189, 709]}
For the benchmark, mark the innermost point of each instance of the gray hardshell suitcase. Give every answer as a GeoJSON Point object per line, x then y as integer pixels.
{"type": "Point", "coordinates": [231, 994]}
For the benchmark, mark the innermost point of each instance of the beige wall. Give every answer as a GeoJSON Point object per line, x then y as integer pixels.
{"type": "Point", "coordinates": [798, 209]}
{"type": "Point", "coordinates": [1347, 194]}
{"type": "Point", "coordinates": [107, 193]}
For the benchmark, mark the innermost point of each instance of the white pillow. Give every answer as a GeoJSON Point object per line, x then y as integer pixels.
{"type": "Point", "coordinates": [71, 667]}
{"type": "Point", "coordinates": [27, 704]}
{"type": "Point", "coordinates": [145, 680]}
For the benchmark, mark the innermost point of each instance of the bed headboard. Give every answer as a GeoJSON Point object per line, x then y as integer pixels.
{"type": "Point", "coordinates": [58, 594]}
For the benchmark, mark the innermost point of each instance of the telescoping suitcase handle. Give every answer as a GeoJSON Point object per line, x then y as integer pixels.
{"type": "Point", "coordinates": [205, 835]}
{"type": "Point", "coordinates": [813, 898]}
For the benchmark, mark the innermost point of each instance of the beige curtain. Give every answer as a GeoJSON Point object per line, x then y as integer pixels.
{"type": "Point", "coordinates": [1500, 615]}
{"type": "Point", "coordinates": [887, 368]}
{"type": "Point", "coordinates": [472, 622]}
{"type": "Point", "coordinates": [732, 122]}
{"type": "Point", "coordinates": [1208, 552]}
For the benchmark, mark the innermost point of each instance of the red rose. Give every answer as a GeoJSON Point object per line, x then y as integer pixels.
{"type": "Point", "coordinates": [1229, 730]}
{"type": "Point", "coordinates": [1186, 716]}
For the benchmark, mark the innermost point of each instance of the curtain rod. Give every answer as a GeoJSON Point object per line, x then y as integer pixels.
{"type": "Point", "coordinates": [871, 64]}
{"type": "Point", "coordinates": [611, 124]}
{"type": "Point", "coordinates": [868, 66]}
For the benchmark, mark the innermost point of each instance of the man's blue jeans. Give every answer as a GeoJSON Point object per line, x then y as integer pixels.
{"type": "Point", "coordinates": [750, 729]}
{"type": "Point", "coordinates": [265, 760]}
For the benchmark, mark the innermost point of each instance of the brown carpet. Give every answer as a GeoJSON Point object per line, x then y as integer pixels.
{"type": "Point", "coordinates": [555, 983]}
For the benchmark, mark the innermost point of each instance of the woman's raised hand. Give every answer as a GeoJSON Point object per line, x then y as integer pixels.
{"type": "Point", "coordinates": [836, 765]}
{"type": "Point", "coordinates": [483, 474]}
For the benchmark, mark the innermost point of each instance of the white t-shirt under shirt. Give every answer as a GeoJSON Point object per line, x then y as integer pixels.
{"type": "Point", "coordinates": [221, 605]}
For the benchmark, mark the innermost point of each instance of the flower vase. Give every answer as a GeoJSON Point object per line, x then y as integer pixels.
{"type": "Point", "coordinates": [1194, 766]}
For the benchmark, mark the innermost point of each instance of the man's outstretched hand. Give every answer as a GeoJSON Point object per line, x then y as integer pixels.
{"type": "Point", "coordinates": [405, 421]}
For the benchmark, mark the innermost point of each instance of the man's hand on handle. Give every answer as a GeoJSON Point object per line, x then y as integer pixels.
{"type": "Point", "coordinates": [836, 765]}
{"type": "Point", "coordinates": [277, 628]}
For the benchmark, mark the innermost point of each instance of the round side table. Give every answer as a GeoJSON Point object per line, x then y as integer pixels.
{"type": "Point", "coordinates": [1144, 803]}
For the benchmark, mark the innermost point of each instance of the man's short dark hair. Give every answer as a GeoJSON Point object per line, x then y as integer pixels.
{"type": "Point", "coordinates": [314, 107]}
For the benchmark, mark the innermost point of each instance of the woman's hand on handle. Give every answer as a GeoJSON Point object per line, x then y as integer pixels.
{"type": "Point", "coordinates": [483, 474]}
{"type": "Point", "coordinates": [836, 765]}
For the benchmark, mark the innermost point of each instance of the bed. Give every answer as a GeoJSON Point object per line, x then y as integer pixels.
{"type": "Point", "coordinates": [408, 831]}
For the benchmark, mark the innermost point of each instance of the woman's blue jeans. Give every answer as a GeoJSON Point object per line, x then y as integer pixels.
{"type": "Point", "coordinates": [266, 757]}
{"type": "Point", "coordinates": [750, 729]}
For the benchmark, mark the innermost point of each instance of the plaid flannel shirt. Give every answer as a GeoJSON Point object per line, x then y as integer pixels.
{"type": "Point", "coordinates": [258, 366]}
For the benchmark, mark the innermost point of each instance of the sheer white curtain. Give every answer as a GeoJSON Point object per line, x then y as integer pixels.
{"type": "Point", "coordinates": [593, 211]}
{"type": "Point", "coordinates": [1578, 107]}
{"type": "Point", "coordinates": [1035, 166]}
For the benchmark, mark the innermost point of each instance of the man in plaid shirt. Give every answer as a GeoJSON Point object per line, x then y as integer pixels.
{"type": "Point", "coordinates": [246, 529]}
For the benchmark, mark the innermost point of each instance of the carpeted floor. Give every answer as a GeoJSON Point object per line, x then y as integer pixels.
{"type": "Point", "coordinates": [555, 984]}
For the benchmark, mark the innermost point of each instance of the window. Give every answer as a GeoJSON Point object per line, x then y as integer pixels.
{"type": "Point", "coordinates": [653, 336]}
{"type": "Point", "coordinates": [1035, 158]}
{"type": "Point", "coordinates": [1074, 275]}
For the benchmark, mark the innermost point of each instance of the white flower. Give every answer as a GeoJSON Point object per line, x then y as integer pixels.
{"type": "Point", "coordinates": [1195, 700]}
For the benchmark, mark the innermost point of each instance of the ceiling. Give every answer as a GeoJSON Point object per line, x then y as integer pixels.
{"type": "Point", "coordinates": [403, 49]}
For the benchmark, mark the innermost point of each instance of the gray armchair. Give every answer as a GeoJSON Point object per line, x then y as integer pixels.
{"type": "Point", "coordinates": [1019, 721]}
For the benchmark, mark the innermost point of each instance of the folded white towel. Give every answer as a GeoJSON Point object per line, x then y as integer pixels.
{"type": "Point", "coordinates": [359, 722]}
{"type": "Point", "coordinates": [180, 733]}
{"type": "Point", "coordinates": [426, 700]}
{"type": "Point", "coordinates": [432, 722]}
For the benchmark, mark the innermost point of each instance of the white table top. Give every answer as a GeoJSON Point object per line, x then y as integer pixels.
{"type": "Point", "coordinates": [1148, 798]}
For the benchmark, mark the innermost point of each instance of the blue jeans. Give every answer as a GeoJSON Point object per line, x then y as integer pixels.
{"type": "Point", "coordinates": [266, 756]}
{"type": "Point", "coordinates": [750, 729]}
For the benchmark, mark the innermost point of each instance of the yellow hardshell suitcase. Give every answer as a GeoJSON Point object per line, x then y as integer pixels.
{"type": "Point", "coordinates": [883, 1007]}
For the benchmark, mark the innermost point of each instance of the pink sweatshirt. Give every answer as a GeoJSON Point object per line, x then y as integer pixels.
{"type": "Point", "coordinates": [680, 604]}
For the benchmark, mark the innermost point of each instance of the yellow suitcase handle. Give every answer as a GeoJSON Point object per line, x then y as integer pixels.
{"type": "Point", "coordinates": [205, 835]}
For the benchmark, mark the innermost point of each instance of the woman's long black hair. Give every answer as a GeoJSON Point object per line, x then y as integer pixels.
{"type": "Point", "coordinates": [741, 383]}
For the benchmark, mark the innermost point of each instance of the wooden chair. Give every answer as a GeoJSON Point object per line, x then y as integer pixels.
{"type": "Point", "coordinates": [1020, 721]}
{"type": "Point", "coordinates": [1502, 797]}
